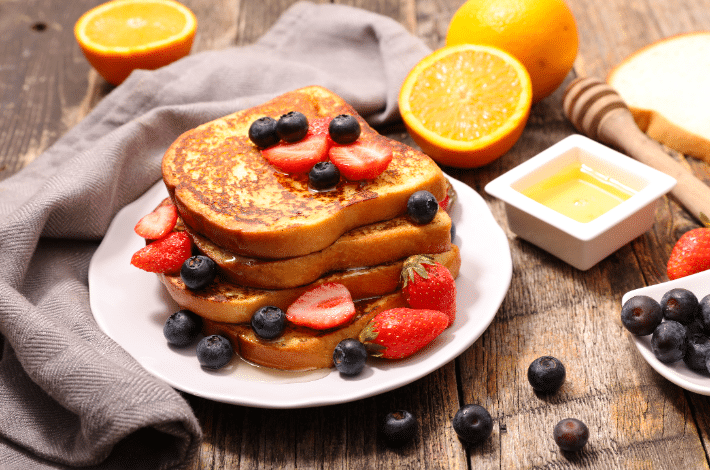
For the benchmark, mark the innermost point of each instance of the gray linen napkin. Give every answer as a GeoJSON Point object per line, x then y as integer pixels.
{"type": "Point", "coordinates": [70, 396]}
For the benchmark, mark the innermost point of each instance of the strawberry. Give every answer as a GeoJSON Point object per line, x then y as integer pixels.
{"type": "Point", "coordinates": [448, 202]}
{"type": "Point", "coordinates": [429, 285]}
{"type": "Point", "coordinates": [361, 160]}
{"type": "Point", "coordinates": [300, 156]}
{"type": "Point", "coordinates": [165, 255]}
{"type": "Point", "coordinates": [400, 332]}
{"type": "Point", "coordinates": [158, 223]}
{"type": "Point", "coordinates": [691, 254]}
{"type": "Point", "coordinates": [319, 126]}
{"type": "Point", "coordinates": [326, 306]}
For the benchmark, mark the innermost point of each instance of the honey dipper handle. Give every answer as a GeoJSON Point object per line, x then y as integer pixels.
{"type": "Point", "coordinates": [618, 128]}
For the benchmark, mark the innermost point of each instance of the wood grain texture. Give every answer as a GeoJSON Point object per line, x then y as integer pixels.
{"type": "Point", "coordinates": [637, 419]}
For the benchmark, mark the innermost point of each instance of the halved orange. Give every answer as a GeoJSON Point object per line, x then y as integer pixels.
{"type": "Point", "coordinates": [466, 105]}
{"type": "Point", "coordinates": [123, 35]}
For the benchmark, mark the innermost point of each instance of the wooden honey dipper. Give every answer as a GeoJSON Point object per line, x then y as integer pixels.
{"type": "Point", "coordinates": [596, 110]}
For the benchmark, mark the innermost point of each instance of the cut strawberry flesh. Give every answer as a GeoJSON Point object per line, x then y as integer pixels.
{"type": "Point", "coordinates": [158, 223]}
{"type": "Point", "coordinates": [361, 160]}
{"type": "Point", "coordinates": [165, 255]}
{"type": "Point", "coordinates": [298, 157]}
{"type": "Point", "coordinates": [326, 306]}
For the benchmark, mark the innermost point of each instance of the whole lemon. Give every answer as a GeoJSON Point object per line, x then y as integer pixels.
{"type": "Point", "coordinates": [542, 34]}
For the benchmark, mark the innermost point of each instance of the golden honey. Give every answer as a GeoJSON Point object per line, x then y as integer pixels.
{"type": "Point", "coordinates": [579, 192]}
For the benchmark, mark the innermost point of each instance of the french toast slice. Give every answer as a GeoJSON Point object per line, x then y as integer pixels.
{"type": "Point", "coordinates": [370, 245]}
{"type": "Point", "coordinates": [228, 193]}
{"type": "Point", "coordinates": [227, 302]}
{"type": "Point", "coordinates": [300, 348]}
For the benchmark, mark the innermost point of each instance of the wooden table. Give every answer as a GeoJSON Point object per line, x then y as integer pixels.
{"type": "Point", "coordinates": [637, 419]}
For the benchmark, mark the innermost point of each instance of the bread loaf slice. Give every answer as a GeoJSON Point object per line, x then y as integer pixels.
{"type": "Point", "coordinates": [665, 85]}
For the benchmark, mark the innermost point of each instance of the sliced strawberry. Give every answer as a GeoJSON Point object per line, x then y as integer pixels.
{"type": "Point", "coordinates": [298, 157]}
{"type": "Point", "coordinates": [361, 160]}
{"type": "Point", "coordinates": [319, 126]}
{"type": "Point", "coordinates": [165, 255]}
{"type": "Point", "coordinates": [158, 223]}
{"type": "Point", "coordinates": [325, 306]}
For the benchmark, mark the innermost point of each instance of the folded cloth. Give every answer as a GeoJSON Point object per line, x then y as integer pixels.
{"type": "Point", "coordinates": [69, 395]}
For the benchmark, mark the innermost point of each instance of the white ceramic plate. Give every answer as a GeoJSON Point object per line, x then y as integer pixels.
{"type": "Point", "coordinates": [131, 306]}
{"type": "Point", "coordinates": [678, 372]}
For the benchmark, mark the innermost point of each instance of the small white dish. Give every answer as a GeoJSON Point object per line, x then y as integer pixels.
{"type": "Point", "coordinates": [581, 244]}
{"type": "Point", "coordinates": [678, 372]}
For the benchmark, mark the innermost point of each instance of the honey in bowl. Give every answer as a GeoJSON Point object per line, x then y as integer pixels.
{"type": "Point", "coordinates": [579, 192]}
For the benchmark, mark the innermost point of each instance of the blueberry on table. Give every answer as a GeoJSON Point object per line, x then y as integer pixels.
{"type": "Point", "coordinates": [669, 341]}
{"type": "Point", "coordinates": [399, 427]}
{"type": "Point", "coordinates": [323, 175]}
{"type": "Point", "coordinates": [292, 126]}
{"type": "Point", "coordinates": [422, 207]}
{"type": "Point", "coordinates": [262, 132]}
{"type": "Point", "coordinates": [214, 352]}
{"type": "Point", "coordinates": [182, 328]}
{"type": "Point", "coordinates": [473, 424]}
{"type": "Point", "coordinates": [697, 351]}
{"type": "Point", "coordinates": [198, 271]}
{"type": "Point", "coordinates": [546, 374]}
{"type": "Point", "coordinates": [680, 305]}
{"type": "Point", "coordinates": [641, 315]}
{"type": "Point", "coordinates": [268, 322]}
{"type": "Point", "coordinates": [344, 129]}
{"type": "Point", "coordinates": [571, 434]}
{"type": "Point", "coordinates": [349, 356]}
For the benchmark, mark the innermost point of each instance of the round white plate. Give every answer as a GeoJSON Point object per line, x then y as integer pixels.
{"type": "Point", "coordinates": [678, 372]}
{"type": "Point", "coordinates": [131, 306]}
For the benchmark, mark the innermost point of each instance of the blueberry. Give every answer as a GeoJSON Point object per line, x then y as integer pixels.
{"type": "Point", "coordinates": [697, 351]}
{"type": "Point", "coordinates": [182, 328]}
{"type": "Point", "coordinates": [323, 175]}
{"type": "Point", "coordinates": [680, 305]}
{"type": "Point", "coordinates": [263, 132]}
{"type": "Point", "coordinates": [641, 315]}
{"type": "Point", "coordinates": [399, 427]}
{"type": "Point", "coordinates": [198, 271]}
{"type": "Point", "coordinates": [422, 207]}
{"type": "Point", "coordinates": [571, 434]}
{"type": "Point", "coordinates": [546, 374]}
{"type": "Point", "coordinates": [473, 423]}
{"type": "Point", "coordinates": [292, 126]}
{"type": "Point", "coordinates": [704, 313]}
{"type": "Point", "coordinates": [214, 352]}
{"type": "Point", "coordinates": [349, 356]}
{"type": "Point", "coordinates": [669, 341]}
{"type": "Point", "coordinates": [344, 129]}
{"type": "Point", "coordinates": [268, 322]}
{"type": "Point", "coordinates": [453, 231]}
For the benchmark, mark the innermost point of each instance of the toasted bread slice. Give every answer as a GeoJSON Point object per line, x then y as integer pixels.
{"type": "Point", "coordinates": [300, 348]}
{"type": "Point", "coordinates": [227, 192]}
{"type": "Point", "coordinates": [226, 302]}
{"type": "Point", "coordinates": [371, 245]}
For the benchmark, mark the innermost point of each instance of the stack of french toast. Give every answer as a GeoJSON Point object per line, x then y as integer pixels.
{"type": "Point", "coordinates": [273, 237]}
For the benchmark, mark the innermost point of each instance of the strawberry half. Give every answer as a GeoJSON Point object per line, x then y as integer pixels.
{"type": "Point", "coordinates": [300, 156]}
{"type": "Point", "coordinates": [429, 285]}
{"type": "Point", "coordinates": [326, 306]}
{"type": "Point", "coordinates": [361, 160]}
{"type": "Point", "coordinates": [158, 223]}
{"type": "Point", "coordinates": [400, 332]}
{"type": "Point", "coordinates": [691, 254]}
{"type": "Point", "coordinates": [165, 255]}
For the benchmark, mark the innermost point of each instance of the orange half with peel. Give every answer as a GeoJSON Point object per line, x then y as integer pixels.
{"type": "Point", "coordinates": [123, 35]}
{"type": "Point", "coordinates": [466, 105]}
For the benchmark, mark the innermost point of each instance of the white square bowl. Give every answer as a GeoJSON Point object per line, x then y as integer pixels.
{"type": "Point", "coordinates": [581, 245]}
